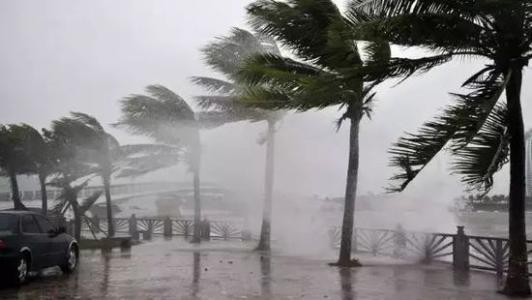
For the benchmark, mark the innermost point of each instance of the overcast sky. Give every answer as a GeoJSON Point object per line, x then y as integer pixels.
{"type": "Point", "coordinates": [62, 56]}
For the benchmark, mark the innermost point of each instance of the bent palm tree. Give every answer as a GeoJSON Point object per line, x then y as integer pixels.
{"type": "Point", "coordinates": [98, 147]}
{"type": "Point", "coordinates": [168, 119]}
{"type": "Point", "coordinates": [71, 167]}
{"type": "Point", "coordinates": [326, 74]}
{"type": "Point", "coordinates": [479, 130]}
{"type": "Point", "coordinates": [227, 55]}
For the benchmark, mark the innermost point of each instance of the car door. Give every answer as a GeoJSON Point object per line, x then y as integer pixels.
{"type": "Point", "coordinates": [57, 245]}
{"type": "Point", "coordinates": [36, 240]}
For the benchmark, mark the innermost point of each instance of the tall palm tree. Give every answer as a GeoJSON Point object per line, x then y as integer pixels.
{"type": "Point", "coordinates": [226, 56]}
{"type": "Point", "coordinates": [325, 74]}
{"type": "Point", "coordinates": [98, 147]}
{"type": "Point", "coordinates": [168, 119]}
{"type": "Point", "coordinates": [14, 159]}
{"type": "Point", "coordinates": [481, 131]}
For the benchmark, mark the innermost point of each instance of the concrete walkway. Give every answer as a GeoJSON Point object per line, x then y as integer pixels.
{"type": "Point", "coordinates": [229, 270]}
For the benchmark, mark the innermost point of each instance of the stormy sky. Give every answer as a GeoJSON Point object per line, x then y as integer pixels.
{"type": "Point", "coordinates": [61, 56]}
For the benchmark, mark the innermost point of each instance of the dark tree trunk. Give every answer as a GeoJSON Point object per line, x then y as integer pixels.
{"type": "Point", "coordinates": [73, 200]}
{"type": "Point", "coordinates": [197, 207]}
{"type": "Point", "coordinates": [15, 193]}
{"type": "Point", "coordinates": [44, 196]}
{"type": "Point", "coordinates": [265, 231]}
{"type": "Point", "coordinates": [350, 196]}
{"type": "Point", "coordinates": [517, 283]}
{"type": "Point", "coordinates": [106, 177]}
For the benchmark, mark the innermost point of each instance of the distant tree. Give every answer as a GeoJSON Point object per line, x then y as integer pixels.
{"type": "Point", "coordinates": [14, 158]}
{"type": "Point", "coordinates": [168, 119]}
{"type": "Point", "coordinates": [326, 73]}
{"type": "Point", "coordinates": [37, 150]}
{"type": "Point", "coordinates": [226, 56]}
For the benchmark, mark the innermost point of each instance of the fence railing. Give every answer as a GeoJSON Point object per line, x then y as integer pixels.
{"type": "Point", "coordinates": [463, 251]}
{"type": "Point", "coordinates": [166, 226]}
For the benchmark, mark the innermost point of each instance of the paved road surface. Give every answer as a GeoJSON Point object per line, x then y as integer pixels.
{"type": "Point", "coordinates": [229, 270]}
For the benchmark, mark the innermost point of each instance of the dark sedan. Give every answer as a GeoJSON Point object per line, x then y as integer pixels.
{"type": "Point", "coordinates": [29, 242]}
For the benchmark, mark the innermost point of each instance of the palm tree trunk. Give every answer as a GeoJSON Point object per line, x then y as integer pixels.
{"type": "Point", "coordinates": [106, 178]}
{"type": "Point", "coordinates": [350, 196]}
{"type": "Point", "coordinates": [72, 199]}
{"type": "Point", "coordinates": [197, 207]}
{"type": "Point", "coordinates": [15, 193]}
{"type": "Point", "coordinates": [265, 232]}
{"type": "Point", "coordinates": [517, 280]}
{"type": "Point", "coordinates": [44, 196]}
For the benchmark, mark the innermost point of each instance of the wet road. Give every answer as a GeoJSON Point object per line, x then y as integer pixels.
{"type": "Point", "coordinates": [229, 270]}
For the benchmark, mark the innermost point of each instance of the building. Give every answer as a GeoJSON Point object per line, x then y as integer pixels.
{"type": "Point", "coordinates": [529, 163]}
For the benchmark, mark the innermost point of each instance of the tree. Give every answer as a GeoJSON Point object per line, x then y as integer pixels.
{"type": "Point", "coordinates": [40, 160]}
{"type": "Point", "coordinates": [14, 159]}
{"type": "Point", "coordinates": [482, 132]}
{"type": "Point", "coordinates": [72, 171]}
{"type": "Point", "coordinates": [325, 74]}
{"type": "Point", "coordinates": [227, 55]}
{"type": "Point", "coordinates": [96, 147]}
{"type": "Point", "coordinates": [168, 119]}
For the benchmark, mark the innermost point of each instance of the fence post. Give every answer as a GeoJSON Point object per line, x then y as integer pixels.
{"type": "Point", "coordinates": [461, 250]}
{"type": "Point", "coordinates": [187, 225]}
{"type": "Point", "coordinates": [399, 241]}
{"type": "Point", "coordinates": [96, 222]}
{"type": "Point", "coordinates": [499, 258]}
{"type": "Point", "coordinates": [206, 229]}
{"type": "Point", "coordinates": [167, 227]}
{"type": "Point", "coordinates": [133, 227]}
{"type": "Point", "coordinates": [354, 242]}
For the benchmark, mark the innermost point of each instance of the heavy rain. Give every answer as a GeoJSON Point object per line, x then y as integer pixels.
{"type": "Point", "coordinates": [267, 149]}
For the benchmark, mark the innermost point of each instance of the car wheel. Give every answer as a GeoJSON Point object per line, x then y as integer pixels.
{"type": "Point", "coordinates": [71, 261]}
{"type": "Point", "coordinates": [22, 270]}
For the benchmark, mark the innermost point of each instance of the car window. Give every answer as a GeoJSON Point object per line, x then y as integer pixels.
{"type": "Point", "coordinates": [45, 225]}
{"type": "Point", "coordinates": [29, 225]}
{"type": "Point", "coordinates": [8, 224]}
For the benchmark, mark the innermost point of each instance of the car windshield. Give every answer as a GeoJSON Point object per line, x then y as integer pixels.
{"type": "Point", "coordinates": [8, 224]}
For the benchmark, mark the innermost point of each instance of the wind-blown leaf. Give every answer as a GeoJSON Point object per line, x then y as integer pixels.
{"type": "Point", "coordinates": [214, 85]}
{"type": "Point", "coordinates": [487, 152]}
{"type": "Point", "coordinates": [458, 125]}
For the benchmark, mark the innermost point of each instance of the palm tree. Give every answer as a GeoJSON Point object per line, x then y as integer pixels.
{"type": "Point", "coordinates": [37, 151]}
{"type": "Point", "coordinates": [480, 130]}
{"type": "Point", "coordinates": [226, 56]}
{"type": "Point", "coordinates": [325, 74]}
{"type": "Point", "coordinates": [14, 159]}
{"type": "Point", "coordinates": [98, 147]}
{"type": "Point", "coordinates": [168, 119]}
{"type": "Point", "coordinates": [72, 171]}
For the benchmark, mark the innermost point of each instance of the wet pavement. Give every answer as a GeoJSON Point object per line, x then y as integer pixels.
{"type": "Point", "coordinates": [175, 269]}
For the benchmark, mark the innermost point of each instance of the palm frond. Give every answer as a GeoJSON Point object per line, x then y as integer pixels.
{"type": "Point", "coordinates": [457, 125]}
{"type": "Point", "coordinates": [487, 152]}
{"type": "Point", "coordinates": [315, 30]}
{"type": "Point", "coordinates": [214, 85]}
{"type": "Point", "coordinates": [468, 9]}
{"type": "Point", "coordinates": [89, 201]}
{"type": "Point", "coordinates": [162, 115]}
